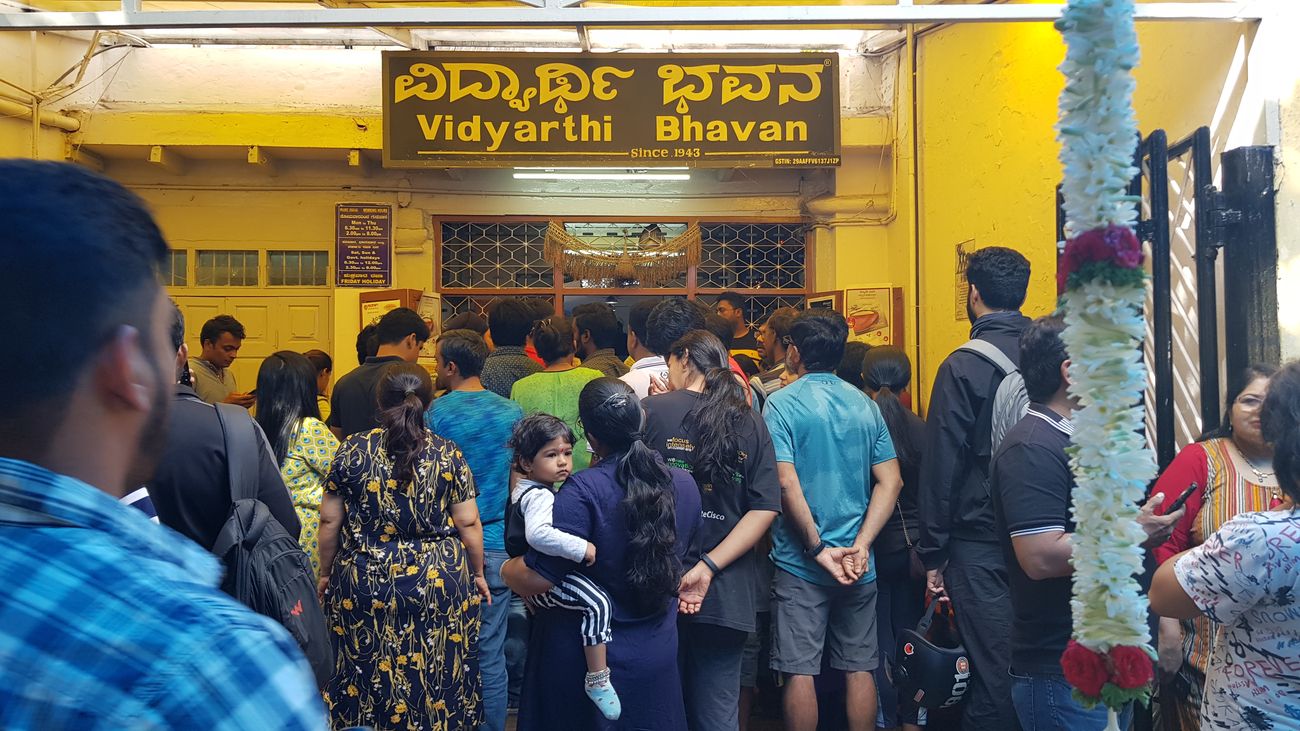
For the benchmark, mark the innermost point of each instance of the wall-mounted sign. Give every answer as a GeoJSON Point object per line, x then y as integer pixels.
{"type": "Point", "coordinates": [875, 314]}
{"type": "Point", "coordinates": [364, 243]}
{"type": "Point", "coordinates": [962, 287]}
{"type": "Point", "coordinates": [825, 301]}
{"type": "Point", "coordinates": [445, 109]}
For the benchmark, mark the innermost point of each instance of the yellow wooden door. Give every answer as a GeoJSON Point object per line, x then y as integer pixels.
{"type": "Point", "coordinates": [270, 324]}
{"type": "Point", "coordinates": [258, 316]}
{"type": "Point", "coordinates": [198, 310]}
{"type": "Point", "coordinates": [303, 323]}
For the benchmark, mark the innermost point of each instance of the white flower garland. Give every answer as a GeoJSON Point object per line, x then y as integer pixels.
{"type": "Point", "coordinates": [1111, 463]}
{"type": "Point", "coordinates": [1104, 328]}
{"type": "Point", "coordinates": [1098, 128]}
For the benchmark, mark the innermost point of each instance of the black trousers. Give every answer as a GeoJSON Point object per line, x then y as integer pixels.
{"type": "Point", "coordinates": [976, 580]}
{"type": "Point", "coordinates": [899, 605]}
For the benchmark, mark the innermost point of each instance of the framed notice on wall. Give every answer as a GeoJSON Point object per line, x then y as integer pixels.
{"type": "Point", "coordinates": [363, 245]}
{"type": "Point", "coordinates": [375, 305]}
{"type": "Point", "coordinates": [875, 314]}
{"type": "Point", "coordinates": [962, 290]}
{"type": "Point", "coordinates": [826, 301]}
{"type": "Point", "coordinates": [430, 308]}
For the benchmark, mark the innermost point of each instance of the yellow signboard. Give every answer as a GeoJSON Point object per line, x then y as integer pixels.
{"type": "Point", "coordinates": [633, 110]}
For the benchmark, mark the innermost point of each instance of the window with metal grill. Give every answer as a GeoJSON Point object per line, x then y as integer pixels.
{"type": "Point", "coordinates": [175, 271]}
{"type": "Point", "coordinates": [297, 268]}
{"type": "Point", "coordinates": [215, 268]}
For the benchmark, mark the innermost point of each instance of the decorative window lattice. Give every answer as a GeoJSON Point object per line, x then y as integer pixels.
{"type": "Point", "coordinates": [752, 256]}
{"type": "Point", "coordinates": [495, 255]}
{"type": "Point", "coordinates": [297, 268]}
{"type": "Point", "coordinates": [175, 271]}
{"type": "Point", "coordinates": [758, 309]}
{"type": "Point", "coordinates": [454, 305]}
{"type": "Point", "coordinates": [226, 269]}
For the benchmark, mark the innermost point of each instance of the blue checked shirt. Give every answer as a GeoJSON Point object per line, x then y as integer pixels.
{"type": "Point", "coordinates": [109, 621]}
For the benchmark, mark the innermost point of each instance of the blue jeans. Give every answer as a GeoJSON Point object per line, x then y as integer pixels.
{"type": "Point", "coordinates": [492, 643]}
{"type": "Point", "coordinates": [709, 657]}
{"type": "Point", "coordinates": [1043, 703]}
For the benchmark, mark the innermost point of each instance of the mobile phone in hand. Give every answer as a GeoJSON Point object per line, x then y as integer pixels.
{"type": "Point", "coordinates": [1181, 500]}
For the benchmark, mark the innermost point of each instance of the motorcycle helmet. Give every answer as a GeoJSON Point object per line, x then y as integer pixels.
{"type": "Point", "coordinates": [934, 672]}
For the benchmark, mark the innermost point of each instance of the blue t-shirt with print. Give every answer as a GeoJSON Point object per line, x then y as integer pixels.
{"type": "Point", "coordinates": [832, 434]}
{"type": "Point", "coordinates": [480, 422]}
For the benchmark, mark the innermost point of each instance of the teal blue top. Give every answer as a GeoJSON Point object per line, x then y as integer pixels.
{"type": "Point", "coordinates": [480, 423]}
{"type": "Point", "coordinates": [832, 434]}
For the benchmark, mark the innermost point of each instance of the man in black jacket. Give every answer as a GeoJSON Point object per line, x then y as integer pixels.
{"type": "Point", "coordinates": [191, 487]}
{"type": "Point", "coordinates": [959, 541]}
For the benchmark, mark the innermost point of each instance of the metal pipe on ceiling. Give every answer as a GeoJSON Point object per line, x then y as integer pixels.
{"type": "Point", "coordinates": [22, 110]}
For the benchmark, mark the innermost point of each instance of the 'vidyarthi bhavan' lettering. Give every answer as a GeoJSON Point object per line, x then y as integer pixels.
{"type": "Point", "coordinates": [687, 129]}
{"type": "Point", "coordinates": [573, 128]}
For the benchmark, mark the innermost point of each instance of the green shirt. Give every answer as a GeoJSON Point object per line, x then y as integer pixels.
{"type": "Point", "coordinates": [556, 393]}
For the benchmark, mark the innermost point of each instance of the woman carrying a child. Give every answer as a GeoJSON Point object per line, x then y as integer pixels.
{"type": "Point", "coordinates": [641, 517]}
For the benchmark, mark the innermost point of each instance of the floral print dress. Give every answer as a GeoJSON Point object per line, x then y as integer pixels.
{"type": "Point", "coordinates": [304, 469]}
{"type": "Point", "coordinates": [401, 604]}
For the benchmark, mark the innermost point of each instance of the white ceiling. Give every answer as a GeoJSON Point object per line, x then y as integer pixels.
{"type": "Point", "coordinates": [607, 40]}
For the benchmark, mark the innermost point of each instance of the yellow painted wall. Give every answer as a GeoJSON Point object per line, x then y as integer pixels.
{"type": "Point", "coordinates": [987, 170]}
{"type": "Point", "coordinates": [986, 106]}
{"type": "Point", "coordinates": [228, 205]}
{"type": "Point", "coordinates": [33, 62]}
{"type": "Point", "coordinates": [988, 167]}
{"type": "Point", "coordinates": [299, 220]}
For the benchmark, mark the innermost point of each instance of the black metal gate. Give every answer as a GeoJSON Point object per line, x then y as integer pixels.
{"type": "Point", "coordinates": [1185, 220]}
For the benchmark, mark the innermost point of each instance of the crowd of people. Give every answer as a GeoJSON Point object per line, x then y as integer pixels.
{"type": "Point", "coordinates": [725, 505]}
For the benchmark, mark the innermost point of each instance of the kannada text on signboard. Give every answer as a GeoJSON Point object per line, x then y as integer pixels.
{"type": "Point", "coordinates": [364, 245]}
{"type": "Point", "coordinates": [466, 110]}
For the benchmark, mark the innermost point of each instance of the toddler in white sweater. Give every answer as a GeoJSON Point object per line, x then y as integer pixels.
{"type": "Point", "coordinates": [543, 447]}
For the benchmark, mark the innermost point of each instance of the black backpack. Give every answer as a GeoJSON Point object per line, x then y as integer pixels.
{"type": "Point", "coordinates": [266, 569]}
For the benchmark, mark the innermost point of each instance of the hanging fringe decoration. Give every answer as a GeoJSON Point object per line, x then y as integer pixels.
{"type": "Point", "coordinates": [654, 259]}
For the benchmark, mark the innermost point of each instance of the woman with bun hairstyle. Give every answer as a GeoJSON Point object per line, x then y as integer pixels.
{"type": "Point", "coordinates": [1243, 578]}
{"type": "Point", "coordinates": [641, 515]}
{"type": "Point", "coordinates": [401, 577]}
{"type": "Point", "coordinates": [704, 425]}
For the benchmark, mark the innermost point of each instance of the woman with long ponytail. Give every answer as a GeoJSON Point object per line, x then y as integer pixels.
{"type": "Point", "coordinates": [641, 515]}
{"type": "Point", "coordinates": [401, 575]}
{"type": "Point", "coordinates": [704, 425]}
{"type": "Point", "coordinates": [900, 580]}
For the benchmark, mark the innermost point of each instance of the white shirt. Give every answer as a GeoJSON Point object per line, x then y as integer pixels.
{"type": "Point", "coordinates": [642, 371]}
{"type": "Point", "coordinates": [537, 506]}
{"type": "Point", "coordinates": [1246, 578]}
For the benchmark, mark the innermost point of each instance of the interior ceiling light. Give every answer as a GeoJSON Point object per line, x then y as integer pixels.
{"type": "Point", "coordinates": [601, 174]}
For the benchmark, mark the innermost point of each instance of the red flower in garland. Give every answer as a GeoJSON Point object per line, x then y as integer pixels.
{"type": "Point", "coordinates": [1130, 667]}
{"type": "Point", "coordinates": [1084, 669]}
{"type": "Point", "coordinates": [1116, 245]}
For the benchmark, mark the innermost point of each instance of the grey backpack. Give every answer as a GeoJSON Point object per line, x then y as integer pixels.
{"type": "Point", "coordinates": [1011, 401]}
